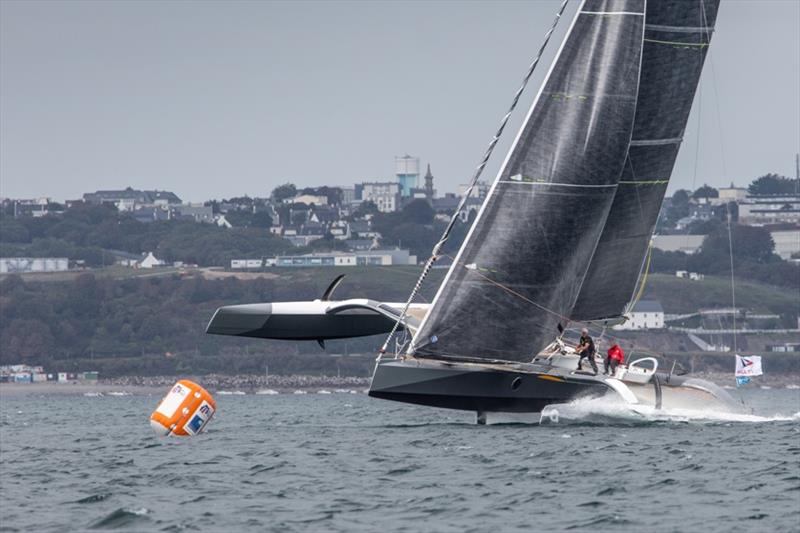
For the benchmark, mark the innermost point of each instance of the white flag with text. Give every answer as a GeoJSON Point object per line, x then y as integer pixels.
{"type": "Point", "coordinates": [748, 365]}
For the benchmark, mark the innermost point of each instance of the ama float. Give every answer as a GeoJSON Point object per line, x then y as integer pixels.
{"type": "Point", "coordinates": [560, 241]}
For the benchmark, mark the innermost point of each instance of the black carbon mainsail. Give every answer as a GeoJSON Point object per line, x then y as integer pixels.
{"type": "Point", "coordinates": [677, 35]}
{"type": "Point", "coordinates": [520, 269]}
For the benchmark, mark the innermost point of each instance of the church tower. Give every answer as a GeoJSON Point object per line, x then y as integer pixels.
{"type": "Point", "coordinates": [429, 192]}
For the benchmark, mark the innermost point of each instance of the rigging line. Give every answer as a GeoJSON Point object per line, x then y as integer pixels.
{"type": "Point", "coordinates": [724, 175]}
{"type": "Point", "coordinates": [547, 310]}
{"type": "Point", "coordinates": [477, 271]}
{"type": "Point", "coordinates": [629, 161]}
{"type": "Point", "coordinates": [518, 295]}
{"type": "Point", "coordinates": [645, 272]}
{"type": "Point", "coordinates": [476, 176]}
{"type": "Point", "coordinates": [696, 159]}
{"type": "Point", "coordinates": [727, 206]}
{"type": "Point", "coordinates": [646, 259]}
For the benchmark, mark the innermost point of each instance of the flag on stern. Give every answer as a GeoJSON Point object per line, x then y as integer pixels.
{"type": "Point", "coordinates": [746, 368]}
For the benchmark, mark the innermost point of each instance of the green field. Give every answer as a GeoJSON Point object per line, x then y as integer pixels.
{"type": "Point", "coordinates": [679, 295]}
{"type": "Point", "coordinates": [379, 283]}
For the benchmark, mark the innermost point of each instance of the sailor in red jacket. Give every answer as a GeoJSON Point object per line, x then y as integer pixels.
{"type": "Point", "coordinates": [615, 357]}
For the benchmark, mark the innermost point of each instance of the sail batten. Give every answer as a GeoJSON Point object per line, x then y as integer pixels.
{"type": "Point", "coordinates": [520, 268]}
{"type": "Point", "coordinates": [677, 35]}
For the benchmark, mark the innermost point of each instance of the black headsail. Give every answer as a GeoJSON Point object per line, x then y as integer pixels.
{"type": "Point", "coordinates": [521, 266]}
{"type": "Point", "coordinates": [677, 35]}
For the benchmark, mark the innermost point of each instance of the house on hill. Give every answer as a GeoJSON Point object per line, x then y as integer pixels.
{"type": "Point", "coordinates": [150, 261]}
{"type": "Point", "coordinates": [323, 215]}
{"type": "Point", "coordinates": [128, 199]}
{"type": "Point", "coordinates": [308, 199]}
{"type": "Point", "coordinates": [646, 314]}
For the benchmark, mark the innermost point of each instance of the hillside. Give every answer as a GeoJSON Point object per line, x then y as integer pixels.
{"type": "Point", "coordinates": [122, 321]}
{"type": "Point", "coordinates": [680, 295]}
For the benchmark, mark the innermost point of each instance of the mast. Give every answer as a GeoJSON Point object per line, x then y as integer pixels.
{"type": "Point", "coordinates": [677, 36]}
{"type": "Point", "coordinates": [519, 270]}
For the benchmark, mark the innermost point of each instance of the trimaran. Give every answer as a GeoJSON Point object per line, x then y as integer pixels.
{"type": "Point", "coordinates": [559, 240]}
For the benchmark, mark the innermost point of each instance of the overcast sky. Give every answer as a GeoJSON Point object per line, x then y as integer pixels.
{"type": "Point", "coordinates": [218, 99]}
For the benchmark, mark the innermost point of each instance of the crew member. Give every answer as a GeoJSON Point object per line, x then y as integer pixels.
{"type": "Point", "coordinates": [586, 349]}
{"type": "Point", "coordinates": [615, 357]}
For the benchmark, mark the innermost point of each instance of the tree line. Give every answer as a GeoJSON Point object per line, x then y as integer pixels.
{"type": "Point", "coordinates": [92, 233]}
{"type": "Point", "coordinates": [113, 323]}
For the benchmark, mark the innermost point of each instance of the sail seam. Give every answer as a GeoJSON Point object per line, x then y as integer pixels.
{"type": "Point", "coordinates": [656, 142]}
{"type": "Point", "coordinates": [514, 182]}
{"type": "Point", "coordinates": [611, 13]}
{"type": "Point", "coordinates": [644, 182]}
{"type": "Point", "coordinates": [676, 43]}
{"type": "Point", "coordinates": [678, 29]}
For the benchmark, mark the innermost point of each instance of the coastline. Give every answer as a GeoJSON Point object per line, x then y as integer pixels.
{"type": "Point", "coordinates": [252, 384]}
{"type": "Point", "coordinates": [216, 384]}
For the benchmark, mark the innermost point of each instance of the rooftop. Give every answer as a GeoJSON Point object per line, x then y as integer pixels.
{"type": "Point", "coordinates": [648, 306]}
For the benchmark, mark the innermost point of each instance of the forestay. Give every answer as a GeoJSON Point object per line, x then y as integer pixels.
{"type": "Point", "coordinates": [677, 35]}
{"type": "Point", "coordinates": [521, 266]}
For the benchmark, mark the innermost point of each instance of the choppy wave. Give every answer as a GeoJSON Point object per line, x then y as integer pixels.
{"type": "Point", "coordinates": [610, 410]}
{"type": "Point", "coordinates": [348, 463]}
{"type": "Point", "coordinates": [120, 518]}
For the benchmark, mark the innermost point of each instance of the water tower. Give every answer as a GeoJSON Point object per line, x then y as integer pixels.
{"type": "Point", "coordinates": [406, 169]}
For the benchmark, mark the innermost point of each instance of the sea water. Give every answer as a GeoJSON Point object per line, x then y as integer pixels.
{"type": "Point", "coordinates": [346, 462]}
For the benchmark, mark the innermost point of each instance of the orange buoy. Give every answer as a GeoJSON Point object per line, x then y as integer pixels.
{"type": "Point", "coordinates": [184, 411]}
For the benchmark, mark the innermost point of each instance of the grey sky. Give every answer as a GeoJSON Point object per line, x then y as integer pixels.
{"type": "Point", "coordinates": [220, 99]}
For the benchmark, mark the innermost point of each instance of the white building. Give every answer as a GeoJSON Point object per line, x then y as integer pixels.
{"type": "Point", "coordinates": [387, 257]}
{"type": "Point", "coordinates": [150, 261]}
{"type": "Point", "coordinates": [646, 314]}
{"type": "Point", "coordinates": [687, 244]}
{"type": "Point", "coordinates": [787, 242]}
{"type": "Point", "coordinates": [730, 194]}
{"type": "Point", "coordinates": [694, 276]}
{"type": "Point", "coordinates": [385, 195]}
{"type": "Point", "coordinates": [348, 194]}
{"type": "Point", "coordinates": [763, 210]}
{"type": "Point", "coordinates": [222, 222]}
{"type": "Point", "coordinates": [10, 265]}
{"type": "Point", "coordinates": [307, 199]}
{"type": "Point", "coordinates": [246, 264]}
{"type": "Point", "coordinates": [340, 230]}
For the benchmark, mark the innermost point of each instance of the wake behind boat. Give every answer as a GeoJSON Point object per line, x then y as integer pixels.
{"type": "Point", "coordinates": [561, 238]}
